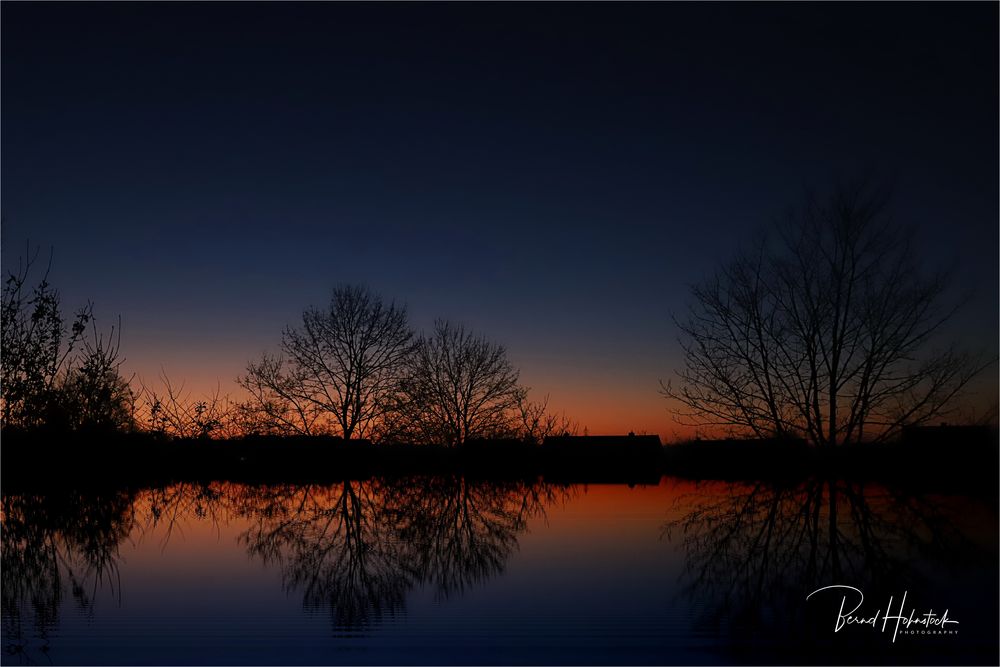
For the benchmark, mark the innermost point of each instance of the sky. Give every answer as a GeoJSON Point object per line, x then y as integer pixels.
{"type": "Point", "coordinates": [555, 176]}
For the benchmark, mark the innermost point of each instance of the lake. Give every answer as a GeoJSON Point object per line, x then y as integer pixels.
{"type": "Point", "coordinates": [449, 570]}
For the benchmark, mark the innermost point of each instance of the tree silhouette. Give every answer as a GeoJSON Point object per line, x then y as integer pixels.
{"type": "Point", "coordinates": [55, 373]}
{"type": "Point", "coordinates": [535, 421]}
{"type": "Point", "coordinates": [458, 386]}
{"type": "Point", "coordinates": [278, 405]}
{"type": "Point", "coordinates": [339, 366]}
{"type": "Point", "coordinates": [826, 332]}
{"type": "Point", "coordinates": [94, 394]}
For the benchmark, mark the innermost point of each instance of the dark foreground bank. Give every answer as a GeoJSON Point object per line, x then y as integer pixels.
{"type": "Point", "coordinates": [965, 461]}
{"type": "Point", "coordinates": [143, 459]}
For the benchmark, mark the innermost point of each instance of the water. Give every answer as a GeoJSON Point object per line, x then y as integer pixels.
{"type": "Point", "coordinates": [447, 570]}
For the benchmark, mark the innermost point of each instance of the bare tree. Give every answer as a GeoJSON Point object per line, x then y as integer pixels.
{"type": "Point", "coordinates": [171, 410]}
{"type": "Point", "coordinates": [339, 367]}
{"type": "Point", "coordinates": [458, 386]}
{"type": "Point", "coordinates": [277, 404]}
{"type": "Point", "coordinates": [828, 332]}
{"type": "Point", "coordinates": [536, 422]}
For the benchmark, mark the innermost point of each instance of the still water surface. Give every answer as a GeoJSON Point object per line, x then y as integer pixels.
{"type": "Point", "coordinates": [448, 570]}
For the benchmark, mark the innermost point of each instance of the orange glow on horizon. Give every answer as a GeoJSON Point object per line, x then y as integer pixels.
{"type": "Point", "coordinates": [602, 408]}
{"type": "Point", "coordinates": [608, 403]}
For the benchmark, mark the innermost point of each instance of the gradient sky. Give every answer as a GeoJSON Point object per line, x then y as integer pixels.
{"type": "Point", "coordinates": [554, 176]}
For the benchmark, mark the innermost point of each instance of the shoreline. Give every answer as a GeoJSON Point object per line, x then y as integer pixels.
{"type": "Point", "coordinates": [39, 460]}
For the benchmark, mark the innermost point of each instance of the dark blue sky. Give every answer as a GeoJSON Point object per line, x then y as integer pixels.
{"type": "Point", "coordinates": [553, 175]}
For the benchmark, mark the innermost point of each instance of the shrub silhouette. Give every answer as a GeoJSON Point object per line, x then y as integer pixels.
{"type": "Point", "coordinates": [57, 373]}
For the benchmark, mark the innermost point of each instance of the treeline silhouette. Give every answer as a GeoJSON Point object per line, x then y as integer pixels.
{"type": "Point", "coordinates": [825, 334]}
{"type": "Point", "coordinates": [350, 391]}
{"type": "Point", "coordinates": [354, 370]}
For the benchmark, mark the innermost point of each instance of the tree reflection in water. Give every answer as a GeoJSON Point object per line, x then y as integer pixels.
{"type": "Point", "coordinates": [753, 551]}
{"type": "Point", "coordinates": [357, 548]}
{"type": "Point", "coordinates": [353, 548]}
{"type": "Point", "coordinates": [332, 545]}
{"type": "Point", "coordinates": [52, 543]}
{"type": "Point", "coordinates": [461, 532]}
